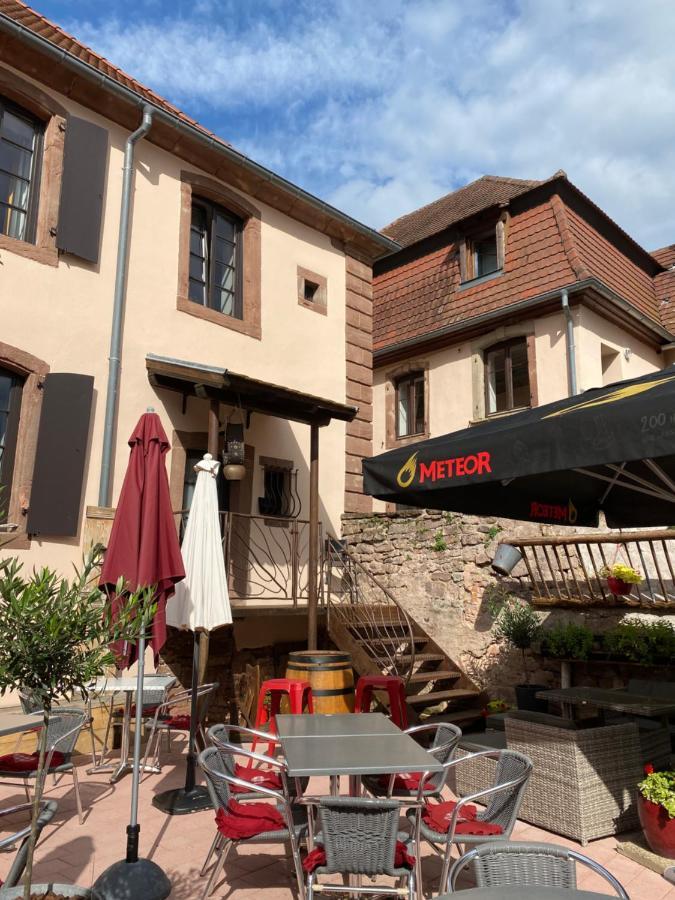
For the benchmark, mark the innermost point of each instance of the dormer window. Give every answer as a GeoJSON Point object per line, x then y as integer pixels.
{"type": "Point", "coordinates": [484, 252]}
{"type": "Point", "coordinates": [481, 253]}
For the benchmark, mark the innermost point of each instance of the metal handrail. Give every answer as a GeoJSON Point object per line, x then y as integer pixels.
{"type": "Point", "coordinates": [390, 643]}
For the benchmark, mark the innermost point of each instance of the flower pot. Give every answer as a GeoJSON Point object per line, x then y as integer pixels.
{"type": "Point", "coordinates": [66, 890]}
{"type": "Point", "coordinates": [658, 827]}
{"type": "Point", "coordinates": [526, 697]}
{"type": "Point", "coordinates": [618, 587]}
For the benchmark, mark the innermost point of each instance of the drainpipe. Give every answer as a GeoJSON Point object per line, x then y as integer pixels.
{"type": "Point", "coordinates": [104, 489]}
{"type": "Point", "coordinates": [571, 349]}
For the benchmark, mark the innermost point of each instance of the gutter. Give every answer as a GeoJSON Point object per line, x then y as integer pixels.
{"type": "Point", "coordinates": [119, 297]}
{"type": "Point", "coordinates": [523, 306]}
{"type": "Point", "coordinates": [67, 59]}
{"type": "Point", "coordinates": [571, 347]}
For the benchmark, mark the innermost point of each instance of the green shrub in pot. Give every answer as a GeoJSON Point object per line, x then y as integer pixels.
{"type": "Point", "coordinates": [568, 640]}
{"type": "Point", "coordinates": [518, 623]}
{"type": "Point", "coordinates": [639, 641]}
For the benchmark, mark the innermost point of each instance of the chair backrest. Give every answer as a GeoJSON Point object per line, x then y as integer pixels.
{"type": "Point", "coordinates": [537, 865]}
{"type": "Point", "coordinates": [47, 813]}
{"type": "Point", "coordinates": [359, 834]}
{"type": "Point", "coordinates": [443, 746]}
{"type": "Point", "coordinates": [153, 696]}
{"type": "Point", "coordinates": [62, 721]}
{"type": "Point", "coordinates": [503, 805]}
{"type": "Point", "coordinates": [218, 764]}
{"type": "Point", "coordinates": [28, 701]}
{"type": "Point", "coordinates": [249, 695]}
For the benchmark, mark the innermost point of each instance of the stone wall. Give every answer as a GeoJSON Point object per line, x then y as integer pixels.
{"type": "Point", "coordinates": [437, 565]}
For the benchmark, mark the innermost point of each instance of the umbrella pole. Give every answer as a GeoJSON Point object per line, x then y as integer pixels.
{"type": "Point", "coordinates": [190, 798]}
{"type": "Point", "coordinates": [134, 877]}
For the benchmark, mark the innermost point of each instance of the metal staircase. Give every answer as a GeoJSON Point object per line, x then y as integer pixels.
{"type": "Point", "coordinates": [366, 620]}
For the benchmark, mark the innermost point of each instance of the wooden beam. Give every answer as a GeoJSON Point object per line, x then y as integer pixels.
{"type": "Point", "coordinates": [312, 586]}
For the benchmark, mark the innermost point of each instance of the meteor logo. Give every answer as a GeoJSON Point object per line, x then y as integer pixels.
{"type": "Point", "coordinates": [407, 471]}
{"type": "Point", "coordinates": [556, 511]}
{"type": "Point", "coordinates": [442, 469]}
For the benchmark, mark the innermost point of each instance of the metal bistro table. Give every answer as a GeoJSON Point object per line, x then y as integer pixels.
{"type": "Point", "coordinates": [349, 744]}
{"type": "Point", "coordinates": [127, 686]}
{"type": "Point", "coordinates": [525, 893]}
{"type": "Point", "coordinates": [14, 723]}
{"type": "Point", "coordinates": [619, 701]}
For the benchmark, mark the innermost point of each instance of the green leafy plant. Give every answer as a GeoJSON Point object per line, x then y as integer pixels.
{"type": "Point", "coordinates": [492, 533]}
{"type": "Point", "coordinates": [642, 642]}
{"type": "Point", "coordinates": [55, 637]}
{"type": "Point", "coordinates": [497, 705]}
{"type": "Point", "coordinates": [516, 622]}
{"type": "Point", "coordinates": [659, 787]}
{"type": "Point", "coordinates": [439, 543]}
{"type": "Point", "coordinates": [624, 573]}
{"type": "Point", "coordinates": [567, 641]}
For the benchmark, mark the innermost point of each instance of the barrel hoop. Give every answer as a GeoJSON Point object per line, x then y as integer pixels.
{"type": "Point", "coordinates": [295, 667]}
{"type": "Point", "coordinates": [333, 692]}
{"type": "Point", "coordinates": [304, 658]}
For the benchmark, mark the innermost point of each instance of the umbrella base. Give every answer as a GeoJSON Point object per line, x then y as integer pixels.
{"type": "Point", "coordinates": [124, 880]}
{"type": "Point", "coordinates": [180, 801]}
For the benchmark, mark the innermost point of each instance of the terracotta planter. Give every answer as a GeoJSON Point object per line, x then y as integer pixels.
{"type": "Point", "coordinates": [618, 587]}
{"type": "Point", "coordinates": [658, 827]}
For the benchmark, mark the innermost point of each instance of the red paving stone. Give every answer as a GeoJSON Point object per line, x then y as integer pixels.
{"type": "Point", "coordinates": [77, 853]}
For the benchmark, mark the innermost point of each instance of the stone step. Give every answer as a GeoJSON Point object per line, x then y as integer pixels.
{"type": "Point", "coordinates": [434, 697]}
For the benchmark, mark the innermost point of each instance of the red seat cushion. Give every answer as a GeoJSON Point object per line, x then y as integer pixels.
{"type": "Point", "coordinates": [28, 762]}
{"type": "Point", "coordinates": [317, 858]}
{"type": "Point", "coordinates": [181, 722]}
{"type": "Point", "coordinates": [438, 816]}
{"type": "Point", "coordinates": [245, 820]}
{"type": "Point", "coordinates": [406, 781]}
{"type": "Point", "coordinates": [257, 778]}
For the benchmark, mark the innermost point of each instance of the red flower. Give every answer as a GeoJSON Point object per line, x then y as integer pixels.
{"type": "Point", "coordinates": [649, 769]}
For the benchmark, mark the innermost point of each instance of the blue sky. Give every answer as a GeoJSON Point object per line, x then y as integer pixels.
{"type": "Point", "coordinates": [380, 106]}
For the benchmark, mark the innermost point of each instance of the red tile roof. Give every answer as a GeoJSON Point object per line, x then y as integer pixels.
{"type": "Point", "coordinates": [490, 190]}
{"type": "Point", "coordinates": [24, 15]}
{"type": "Point", "coordinates": [665, 256]}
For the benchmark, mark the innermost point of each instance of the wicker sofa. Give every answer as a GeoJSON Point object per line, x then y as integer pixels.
{"type": "Point", "coordinates": [583, 785]}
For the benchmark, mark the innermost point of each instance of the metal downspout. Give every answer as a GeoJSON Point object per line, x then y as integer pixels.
{"type": "Point", "coordinates": [104, 490]}
{"type": "Point", "coordinates": [571, 349]}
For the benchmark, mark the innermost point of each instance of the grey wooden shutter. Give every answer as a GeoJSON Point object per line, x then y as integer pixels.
{"type": "Point", "coordinates": [83, 183]}
{"type": "Point", "coordinates": [61, 454]}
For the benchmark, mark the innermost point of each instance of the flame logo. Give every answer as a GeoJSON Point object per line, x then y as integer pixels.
{"type": "Point", "coordinates": [407, 471]}
{"type": "Point", "coordinates": [572, 513]}
{"type": "Point", "coordinates": [623, 393]}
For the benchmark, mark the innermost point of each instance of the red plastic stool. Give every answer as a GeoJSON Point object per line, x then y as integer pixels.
{"type": "Point", "coordinates": [299, 695]}
{"type": "Point", "coordinates": [395, 688]}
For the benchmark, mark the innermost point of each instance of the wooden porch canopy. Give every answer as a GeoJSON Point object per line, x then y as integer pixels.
{"type": "Point", "coordinates": [215, 383]}
{"type": "Point", "coordinates": [223, 386]}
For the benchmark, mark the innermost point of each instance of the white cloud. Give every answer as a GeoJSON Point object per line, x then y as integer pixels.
{"type": "Point", "coordinates": [381, 107]}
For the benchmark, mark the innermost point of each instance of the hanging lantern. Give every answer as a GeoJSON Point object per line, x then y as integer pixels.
{"type": "Point", "coordinates": [233, 454]}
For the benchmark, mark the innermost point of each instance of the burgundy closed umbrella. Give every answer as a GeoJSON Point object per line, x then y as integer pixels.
{"type": "Point", "coordinates": [144, 550]}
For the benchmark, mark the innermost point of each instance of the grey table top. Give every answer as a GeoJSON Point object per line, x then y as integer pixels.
{"type": "Point", "coordinates": [341, 724]}
{"type": "Point", "coordinates": [128, 683]}
{"type": "Point", "coordinates": [621, 701]}
{"type": "Point", "coordinates": [331, 750]}
{"type": "Point", "coordinates": [525, 893]}
{"type": "Point", "coordinates": [13, 723]}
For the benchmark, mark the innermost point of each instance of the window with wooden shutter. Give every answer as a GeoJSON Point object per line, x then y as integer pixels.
{"type": "Point", "coordinates": [61, 454]}
{"type": "Point", "coordinates": [10, 410]}
{"type": "Point", "coordinates": [82, 188]}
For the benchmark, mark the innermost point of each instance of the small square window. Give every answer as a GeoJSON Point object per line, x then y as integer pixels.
{"type": "Point", "coordinates": [311, 290]}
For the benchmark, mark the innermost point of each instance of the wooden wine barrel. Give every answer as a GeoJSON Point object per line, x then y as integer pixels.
{"type": "Point", "coordinates": [330, 674]}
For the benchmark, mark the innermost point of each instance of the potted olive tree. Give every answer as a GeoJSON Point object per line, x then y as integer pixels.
{"type": "Point", "coordinates": [55, 637]}
{"type": "Point", "coordinates": [519, 625]}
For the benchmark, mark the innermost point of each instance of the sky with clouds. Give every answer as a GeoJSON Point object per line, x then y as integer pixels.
{"type": "Point", "coordinates": [380, 106]}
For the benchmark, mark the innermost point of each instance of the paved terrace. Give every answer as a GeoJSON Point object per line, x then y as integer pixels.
{"type": "Point", "coordinates": [75, 853]}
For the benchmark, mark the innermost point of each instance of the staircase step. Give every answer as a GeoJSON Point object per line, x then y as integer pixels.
{"type": "Point", "coordinates": [456, 716]}
{"type": "Point", "coordinates": [391, 640]}
{"type": "Point", "coordinates": [435, 675]}
{"type": "Point", "coordinates": [423, 657]}
{"type": "Point", "coordinates": [434, 697]}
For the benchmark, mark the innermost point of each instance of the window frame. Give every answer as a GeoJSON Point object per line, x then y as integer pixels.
{"type": "Point", "coordinates": [8, 454]}
{"type": "Point", "coordinates": [506, 345]}
{"type": "Point", "coordinates": [320, 302]}
{"type": "Point", "coordinates": [412, 379]}
{"type": "Point", "coordinates": [199, 187]}
{"type": "Point", "coordinates": [211, 209]}
{"type": "Point", "coordinates": [6, 104]}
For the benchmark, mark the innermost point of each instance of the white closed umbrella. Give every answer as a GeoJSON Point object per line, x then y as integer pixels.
{"type": "Point", "coordinates": [201, 604]}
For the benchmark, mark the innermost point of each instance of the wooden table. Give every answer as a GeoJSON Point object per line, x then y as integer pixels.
{"type": "Point", "coordinates": [619, 701]}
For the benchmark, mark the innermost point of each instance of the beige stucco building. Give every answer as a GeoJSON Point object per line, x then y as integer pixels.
{"type": "Point", "coordinates": [246, 301]}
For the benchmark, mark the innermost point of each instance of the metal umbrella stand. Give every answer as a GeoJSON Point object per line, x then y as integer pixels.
{"type": "Point", "coordinates": [200, 604]}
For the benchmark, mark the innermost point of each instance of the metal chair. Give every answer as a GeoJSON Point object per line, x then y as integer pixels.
{"type": "Point", "coordinates": [445, 737]}
{"type": "Point", "coordinates": [520, 864]}
{"type": "Point", "coordinates": [47, 813]}
{"type": "Point", "coordinates": [359, 835]}
{"type": "Point", "coordinates": [62, 733]}
{"type": "Point", "coordinates": [501, 800]}
{"type": "Point", "coordinates": [164, 721]}
{"type": "Point", "coordinates": [217, 764]}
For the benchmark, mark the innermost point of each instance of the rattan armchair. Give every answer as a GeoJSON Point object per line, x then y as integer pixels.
{"type": "Point", "coordinates": [218, 764]}
{"type": "Point", "coordinates": [501, 801]}
{"type": "Point", "coordinates": [521, 864]}
{"type": "Point", "coordinates": [359, 836]}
